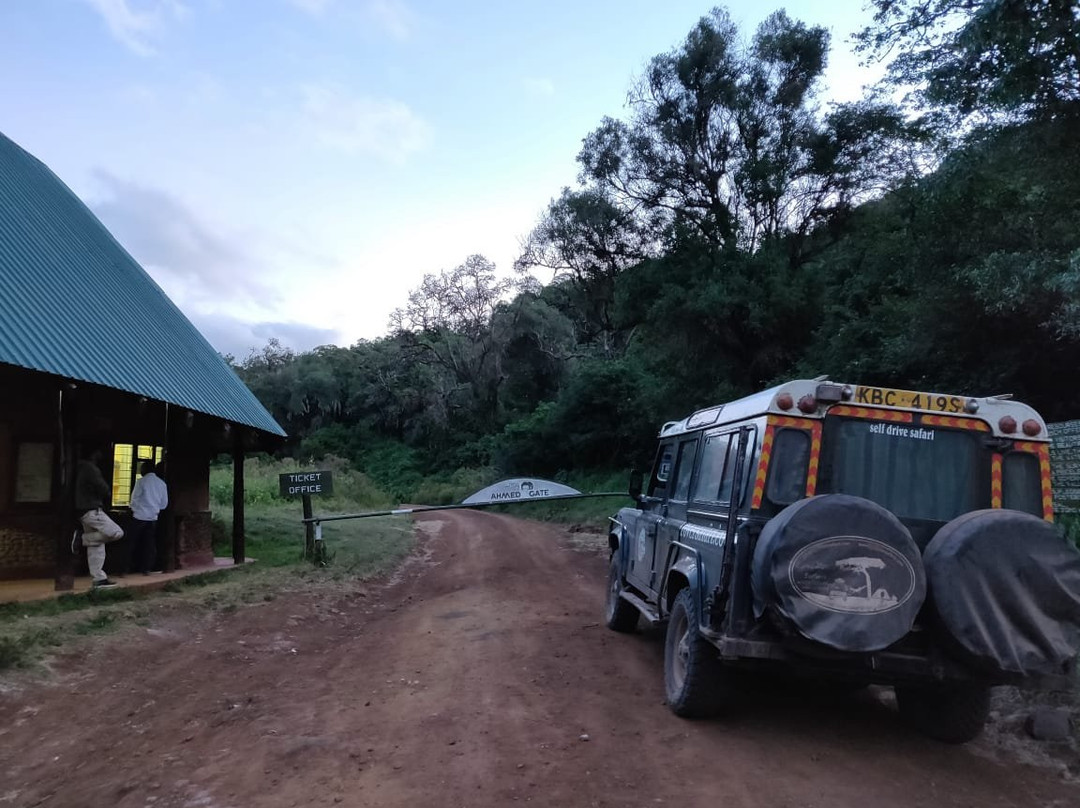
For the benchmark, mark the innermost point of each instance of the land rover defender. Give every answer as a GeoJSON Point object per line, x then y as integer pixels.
{"type": "Point", "coordinates": [853, 533]}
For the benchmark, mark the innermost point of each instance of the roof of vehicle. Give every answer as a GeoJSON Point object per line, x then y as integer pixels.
{"type": "Point", "coordinates": [820, 395]}
{"type": "Point", "coordinates": [75, 304]}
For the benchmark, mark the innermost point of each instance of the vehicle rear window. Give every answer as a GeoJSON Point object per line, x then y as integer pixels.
{"type": "Point", "coordinates": [914, 471]}
{"type": "Point", "coordinates": [787, 466]}
{"type": "Point", "coordinates": [684, 469]}
{"type": "Point", "coordinates": [665, 458]}
{"type": "Point", "coordinates": [1021, 483]}
{"type": "Point", "coordinates": [713, 483]}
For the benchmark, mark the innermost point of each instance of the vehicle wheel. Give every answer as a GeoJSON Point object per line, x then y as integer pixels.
{"type": "Point", "coordinates": [618, 614]}
{"type": "Point", "coordinates": [1005, 591]}
{"type": "Point", "coordinates": [840, 571]}
{"type": "Point", "coordinates": [694, 678]}
{"type": "Point", "coordinates": [952, 714]}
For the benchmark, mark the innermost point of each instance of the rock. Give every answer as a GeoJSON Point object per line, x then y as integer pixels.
{"type": "Point", "coordinates": [583, 737]}
{"type": "Point", "coordinates": [1049, 724]}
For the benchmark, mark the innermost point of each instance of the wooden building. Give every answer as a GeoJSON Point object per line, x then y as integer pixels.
{"type": "Point", "coordinates": [94, 354]}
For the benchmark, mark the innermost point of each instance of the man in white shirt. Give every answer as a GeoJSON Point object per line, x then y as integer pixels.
{"type": "Point", "coordinates": [148, 498]}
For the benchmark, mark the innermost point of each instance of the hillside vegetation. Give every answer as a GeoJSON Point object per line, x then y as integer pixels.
{"type": "Point", "coordinates": [732, 230]}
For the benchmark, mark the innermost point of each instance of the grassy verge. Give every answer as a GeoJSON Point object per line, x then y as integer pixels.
{"type": "Point", "coordinates": [32, 631]}
{"type": "Point", "coordinates": [355, 550]}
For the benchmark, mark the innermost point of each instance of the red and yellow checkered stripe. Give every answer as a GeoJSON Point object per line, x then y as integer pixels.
{"type": "Point", "coordinates": [815, 454]}
{"type": "Point", "coordinates": [995, 480]}
{"type": "Point", "coordinates": [762, 467]}
{"type": "Point", "coordinates": [955, 423]}
{"type": "Point", "coordinates": [775, 422]}
{"type": "Point", "coordinates": [870, 412]}
{"type": "Point", "coordinates": [1043, 451]}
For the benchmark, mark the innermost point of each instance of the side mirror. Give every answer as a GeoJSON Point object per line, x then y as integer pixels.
{"type": "Point", "coordinates": [636, 481]}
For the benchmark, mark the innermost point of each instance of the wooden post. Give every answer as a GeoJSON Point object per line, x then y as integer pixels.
{"type": "Point", "coordinates": [238, 551]}
{"type": "Point", "coordinates": [309, 528]}
{"type": "Point", "coordinates": [63, 482]}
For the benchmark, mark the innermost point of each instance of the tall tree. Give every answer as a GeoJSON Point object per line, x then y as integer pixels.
{"type": "Point", "coordinates": [447, 324]}
{"type": "Point", "coordinates": [587, 240]}
{"type": "Point", "coordinates": [986, 58]}
{"type": "Point", "coordinates": [725, 139]}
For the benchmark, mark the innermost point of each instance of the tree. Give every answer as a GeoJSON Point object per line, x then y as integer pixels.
{"type": "Point", "coordinates": [994, 58]}
{"type": "Point", "coordinates": [447, 325]}
{"type": "Point", "coordinates": [725, 140]}
{"type": "Point", "coordinates": [588, 241]}
{"type": "Point", "coordinates": [967, 281]}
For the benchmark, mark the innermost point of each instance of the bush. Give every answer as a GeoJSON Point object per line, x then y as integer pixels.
{"type": "Point", "coordinates": [352, 488]}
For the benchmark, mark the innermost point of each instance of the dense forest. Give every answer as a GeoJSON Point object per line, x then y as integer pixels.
{"type": "Point", "coordinates": [733, 230]}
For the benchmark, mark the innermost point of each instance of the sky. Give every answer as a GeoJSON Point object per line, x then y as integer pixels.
{"type": "Point", "coordinates": [293, 168]}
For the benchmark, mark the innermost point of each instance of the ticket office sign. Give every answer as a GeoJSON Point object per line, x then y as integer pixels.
{"type": "Point", "coordinates": [310, 483]}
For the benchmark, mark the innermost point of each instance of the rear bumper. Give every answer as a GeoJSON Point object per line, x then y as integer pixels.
{"type": "Point", "coordinates": [883, 667]}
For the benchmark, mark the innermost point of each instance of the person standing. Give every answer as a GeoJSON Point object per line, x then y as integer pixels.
{"type": "Point", "coordinates": [149, 497]}
{"type": "Point", "coordinates": [91, 491]}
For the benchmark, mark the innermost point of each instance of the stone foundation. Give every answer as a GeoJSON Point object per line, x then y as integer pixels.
{"type": "Point", "coordinates": [194, 546]}
{"type": "Point", "coordinates": [25, 553]}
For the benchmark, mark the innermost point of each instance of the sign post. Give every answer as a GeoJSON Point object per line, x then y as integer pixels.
{"type": "Point", "coordinates": [307, 484]}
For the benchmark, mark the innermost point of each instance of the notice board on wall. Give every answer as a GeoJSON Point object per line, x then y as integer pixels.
{"type": "Point", "coordinates": [34, 472]}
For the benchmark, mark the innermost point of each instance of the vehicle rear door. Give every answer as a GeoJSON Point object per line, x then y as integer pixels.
{"type": "Point", "coordinates": [674, 512]}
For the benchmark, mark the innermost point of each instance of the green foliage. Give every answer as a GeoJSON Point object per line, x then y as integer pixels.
{"type": "Point", "coordinates": [966, 281]}
{"type": "Point", "coordinates": [729, 233]}
{"type": "Point", "coordinates": [261, 485]}
{"type": "Point", "coordinates": [1016, 57]}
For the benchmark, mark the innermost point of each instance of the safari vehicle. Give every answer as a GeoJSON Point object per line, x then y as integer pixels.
{"type": "Point", "coordinates": [856, 534]}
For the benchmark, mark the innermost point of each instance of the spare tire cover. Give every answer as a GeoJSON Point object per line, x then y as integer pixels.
{"type": "Point", "coordinates": [841, 570]}
{"type": "Point", "coordinates": [1005, 587]}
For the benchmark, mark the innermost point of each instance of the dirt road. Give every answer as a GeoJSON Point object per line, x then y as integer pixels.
{"type": "Point", "coordinates": [479, 675]}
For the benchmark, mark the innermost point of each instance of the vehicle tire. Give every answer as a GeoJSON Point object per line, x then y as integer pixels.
{"type": "Point", "coordinates": [694, 678]}
{"type": "Point", "coordinates": [840, 571]}
{"type": "Point", "coordinates": [618, 614]}
{"type": "Point", "coordinates": [1005, 592]}
{"type": "Point", "coordinates": [953, 714]}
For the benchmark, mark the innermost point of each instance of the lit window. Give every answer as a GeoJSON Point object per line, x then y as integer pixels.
{"type": "Point", "coordinates": [126, 460]}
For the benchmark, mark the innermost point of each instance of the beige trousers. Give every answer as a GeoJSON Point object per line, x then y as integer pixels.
{"type": "Point", "coordinates": [98, 529]}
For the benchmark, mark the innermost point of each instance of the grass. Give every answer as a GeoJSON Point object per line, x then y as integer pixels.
{"type": "Point", "coordinates": [31, 631]}
{"type": "Point", "coordinates": [274, 535]}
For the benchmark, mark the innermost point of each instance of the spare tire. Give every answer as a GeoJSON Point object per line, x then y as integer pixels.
{"type": "Point", "coordinates": [841, 570]}
{"type": "Point", "coordinates": [1005, 588]}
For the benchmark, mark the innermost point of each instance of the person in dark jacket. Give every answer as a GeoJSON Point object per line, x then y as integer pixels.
{"type": "Point", "coordinates": [91, 493]}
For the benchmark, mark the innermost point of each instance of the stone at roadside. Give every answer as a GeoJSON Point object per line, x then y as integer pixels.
{"type": "Point", "coordinates": [1049, 724]}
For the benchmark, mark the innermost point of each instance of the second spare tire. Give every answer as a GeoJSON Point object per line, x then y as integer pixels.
{"type": "Point", "coordinates": [1005, 588]}
{"type": "Point", "coordinates": [841, 571]}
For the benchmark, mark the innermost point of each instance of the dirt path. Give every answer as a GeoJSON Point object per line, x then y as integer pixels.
{"type": "Point", "coordinates": [470, 679]}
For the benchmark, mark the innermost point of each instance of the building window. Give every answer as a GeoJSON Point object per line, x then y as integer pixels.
{"type": "Point", "coordinates": [126, 460]}
{"type": "Point", "coordinates": [34, 472]}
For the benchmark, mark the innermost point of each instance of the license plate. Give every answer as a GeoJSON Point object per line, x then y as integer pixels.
{"type": "Point", "coordinates": [908, 399]}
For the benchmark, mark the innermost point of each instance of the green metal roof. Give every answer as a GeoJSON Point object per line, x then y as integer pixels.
{"type": "Point", "coordinates": [74, 303]}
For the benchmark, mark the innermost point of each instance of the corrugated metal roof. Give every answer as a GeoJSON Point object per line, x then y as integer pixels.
{"type": "Point", "coordinates": [74, 303]}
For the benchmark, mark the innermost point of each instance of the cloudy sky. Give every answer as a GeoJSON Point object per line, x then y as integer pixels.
{"type": "Point", "coordinates": [292, 168]}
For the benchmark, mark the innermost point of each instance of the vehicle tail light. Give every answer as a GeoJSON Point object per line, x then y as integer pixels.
{"type": "Point", "coordinates": [1032, 427]}
{"type": "Point", "coordinates": [784, 401]}
{"type": "Point", "coordinates": [808, 404]}
{"type": "Point", "coordinates": [1007, 424]}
